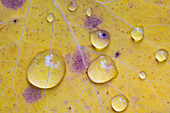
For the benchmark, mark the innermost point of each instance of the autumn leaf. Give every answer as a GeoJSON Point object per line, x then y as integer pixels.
{"type": "Point", "coordinates": [25, 32]}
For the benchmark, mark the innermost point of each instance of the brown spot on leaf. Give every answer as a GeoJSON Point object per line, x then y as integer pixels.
{"type": "Point", "coordinates": [13, 4]}
{"type": "Point", "coordinates": [32, 94]}
{"type": "Point", "coordinates": [107, 92]}
{"type": "Point", "coordinates": [92, 21]}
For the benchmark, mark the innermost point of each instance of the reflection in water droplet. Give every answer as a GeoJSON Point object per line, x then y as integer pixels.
{"type": "Point", "coordinates": [137, 33]}
{"type": "Point", "coordinates": [72, 7]}
{"type": "Point", "coordinates": [50, 17]}
{"type": "Point", "coordinates": [161, 55]}
{"type": "Point", "coordinates": [102, 69]}
{"type": "Point", "coordinates": [89, 12]}
{"type": "Point", "coordinates": [119, 103]}
{"type": "Point", "coordinates": [100, 39]}
{"type": "Point", "coordinates": [46, 70]}
{"type": "Point", "coordinates": [142, 75]}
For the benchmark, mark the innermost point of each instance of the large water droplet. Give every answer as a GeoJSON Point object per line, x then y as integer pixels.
{"type": "Point", "coordinates": [137, 33]}
{"type": "Point", "coordinates": [102, 69]}
{"type": "Point", "coordinates": [89, 12]}
{"type": "Point", "coordinates": [100, 38]}
{"type": "Point", "coordinates": [161, 55]}
{"type": "Point", "coordinates": [47, 69]}
{"type": "Point", "coordinates": [72, 6]}
{"type": "Point", "coordinates": [50, 17]}
{"type": "Point", "coordinates": [142, 75]}
{"type": "Point", "coordinates": [119, 103]}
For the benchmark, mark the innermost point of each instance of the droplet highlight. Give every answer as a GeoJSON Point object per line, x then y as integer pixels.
{"type": "Point", "coordinates": [89, 12]}
{"type": "Point", "coordinates": [46, 69]}
{"type": "Point", "coordinates": [72, 6]}
{"type": "Point", "coordinates": [137, 33]}
{"type": "Point", "coordinates": [100, 38]}
{"type": "Point", "coordinates": [142, 75]}
{"type": "Point", "coordinates": [119, 103]}
{"type": "Point", "coordinates": [50, 17]}
{"type": "Point", "coordinates": [102, 69]}
{"type": "Point", "coordinates": [161, 55]}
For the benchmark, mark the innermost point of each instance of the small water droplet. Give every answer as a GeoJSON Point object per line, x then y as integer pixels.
{"type": "Point", "coordinates": [50, 17]}
{"type": "Point", "coordinates": [47, 69]}
{"type": "Point", "coordinates": [102, 69]}
{"type": "Point", "coordinates": [161, 55]}
{"type": "Point", "coordinates": [119, 102]}
{"type": "Point", "coordinates": [72, 6]}
{"type": "Point", "coordinates": [100, 38]}
{"type": "Point", "coordinates": [142, 75]}
{"type": "Point", "coordinates": [89, 12]}
{"type": "Point", "coordinates": [137, 33]}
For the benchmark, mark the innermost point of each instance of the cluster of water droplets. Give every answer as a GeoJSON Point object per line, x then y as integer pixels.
{"type": "Point", "coordinates": [48, 67]}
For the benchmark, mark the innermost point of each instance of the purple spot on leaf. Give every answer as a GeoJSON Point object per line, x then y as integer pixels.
{"type": "Point", "coordinates": [32, 94]}
{"type": "Point", "coordinates": [92, 21]}
{"type": "Point", "coordinates": [117, 54]}
{"type": "Point", "coordinates": [13, 4]}
{"type": "Point", "coordinates": [79, 61]}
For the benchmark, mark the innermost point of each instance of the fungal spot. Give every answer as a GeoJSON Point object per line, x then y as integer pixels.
{"type": "Point", "coordinates": [117, 54]}
{"type": "Point", "coordinates": [107, 92]}
{"type": "Point", "coordinates": [15, 21]}
{"type": "Point", "coordinates": [79, 61]}
{"type": "Point", "coordinates": [92, 21]}
{"type": "Point", "coordinates": [13, 4]}
{"type": "Point", "coordinates": [32, 94]}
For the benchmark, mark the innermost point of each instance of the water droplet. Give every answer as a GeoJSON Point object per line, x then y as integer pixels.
{"type": "Point", "coordinates": [161, 55]}
{"type": "Point", "coordinates": [100, 38]}
{"type": "Point", "coordinates": [50, 17]}
{"type": "Point", "coordinates": [137, 33]}
{"type": "Point", "coordinates": [142, 75]}
{"type": "Point", "coordinates": [89, 12]}
{"type": "Point", "coordinates": [102, 69]}
{"type": "Point", "coordinates": [47, 69]}
{"type": "Point", "coordinates": [119, 102]}
{"type": "Point", "coordinates": [72, 6]}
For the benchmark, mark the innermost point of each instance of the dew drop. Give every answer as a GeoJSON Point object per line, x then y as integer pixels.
{"type": "Point", "coordinates": [50, 17]}
{"type": "Point", "coordinates": [161, 55]}
{"type": "Point", "coordinates": [72, 6]}
{"type": "Point", "coordinates": [119, 102]}
{"type": "Point", "coordinates": [100, 38]}
{"type": "Point", "coordinates": [89, 12]}
{"type": "Point", "coordinates": [102, 69]}
{"type": "Point", "coordinates": [142, 75]}
{"type": "Point", "coordinates": [137, 33]}
{"type": "Point", "coordinates": [46, 69]}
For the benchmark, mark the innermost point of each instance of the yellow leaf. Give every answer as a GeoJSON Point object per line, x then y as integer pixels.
{"type": "Point", "coordinates": [25, 32]}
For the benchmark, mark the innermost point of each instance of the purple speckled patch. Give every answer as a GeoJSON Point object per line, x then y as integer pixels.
{"type": "Point", "coordinates": [92, 21]}
{"type": "Point", "coordinates": [79, 62]}
{"type": "Point", "coordinates": [32, 94]}
{"type": "Point", "coordinates": [13, 4]}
